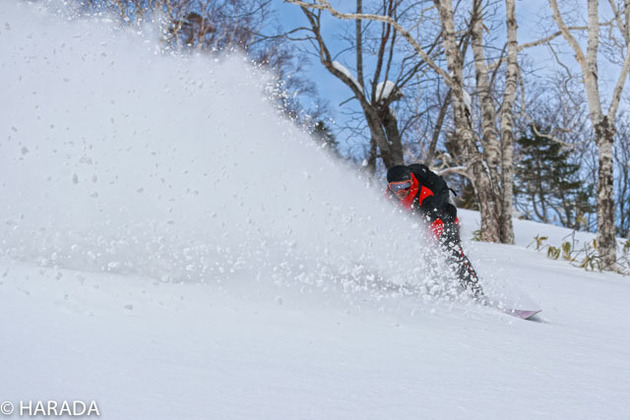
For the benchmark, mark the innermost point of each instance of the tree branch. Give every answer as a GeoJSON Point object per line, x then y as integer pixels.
{"type": "Point", "coordinates": [623, 28]}
{"type": "Point", "coordinates": [625, 73]}
{"type": "Point", "coordinates": [325, 5]}
{"type": "Point", "coordinates": [326, 59]}
{"type": "Point", "coordinates": [549, 38]}
{"type": "Point", "coordinates": [359, 36]}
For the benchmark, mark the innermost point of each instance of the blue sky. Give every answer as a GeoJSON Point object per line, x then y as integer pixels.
{"type": "Point", "coordinates": [531, 27]}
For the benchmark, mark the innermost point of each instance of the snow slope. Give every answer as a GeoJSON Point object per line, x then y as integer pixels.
{"type": "Point", "coordinates": [170, 248]}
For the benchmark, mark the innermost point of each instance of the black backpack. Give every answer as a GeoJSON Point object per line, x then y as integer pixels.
{"type": "Point", "coordinates": [441, 192]}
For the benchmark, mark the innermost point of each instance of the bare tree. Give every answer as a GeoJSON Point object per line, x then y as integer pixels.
{"type": "Point", "coordinates": [377, 73]}
{"type": "Point", "coordinates": [603, 122]}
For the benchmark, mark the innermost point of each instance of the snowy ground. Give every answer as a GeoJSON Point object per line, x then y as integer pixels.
{"type": "Point", "coordinates": [171, 249]}
{"type": "Point", "coordinates": [144, 349]}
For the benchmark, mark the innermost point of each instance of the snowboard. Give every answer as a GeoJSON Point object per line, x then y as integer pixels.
{"type": "Point", "coordinates": [512, 309]}
{"type": "Point", "coordinates": [409, 289]}
{"type": "Point", "coordinates": [521, 313]}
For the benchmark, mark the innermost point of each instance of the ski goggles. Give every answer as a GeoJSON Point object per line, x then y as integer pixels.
{"type": "Point", "coordinates": [400, 187]}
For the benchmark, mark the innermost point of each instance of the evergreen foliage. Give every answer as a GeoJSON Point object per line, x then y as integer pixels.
{"type": "Point", "coordinates": [549, 187]}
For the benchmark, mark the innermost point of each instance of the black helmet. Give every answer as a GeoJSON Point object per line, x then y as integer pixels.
{"type": "Point", "coordinates": [398, 173]}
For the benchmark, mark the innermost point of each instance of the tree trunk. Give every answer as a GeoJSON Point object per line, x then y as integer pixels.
{"type": "Point", "coordinates": [604, 132]}
{"type": "Point", "coordinates": [384, 133]}
{"type": "Point", "coordinates": [371, 160]}
{"type": "Point", "coordinates": [507, 127]}
{"type": "Point", "coordinates": [491, 149]}
{"type": "Point", "coordinates": [606, 232]}
{"type": "Point", "coordinates": [377, 132]}
{"type": "Point", "coordinates": [490, 212]}
{"type": "Point", "coordinates": [390, 125]}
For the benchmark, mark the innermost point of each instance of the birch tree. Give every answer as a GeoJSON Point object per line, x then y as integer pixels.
{"type": "Point", "coordinates": [602, 120]}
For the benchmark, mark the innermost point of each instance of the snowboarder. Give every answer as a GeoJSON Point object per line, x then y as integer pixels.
{"type": "Point", "coordinates": [421, 191]}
